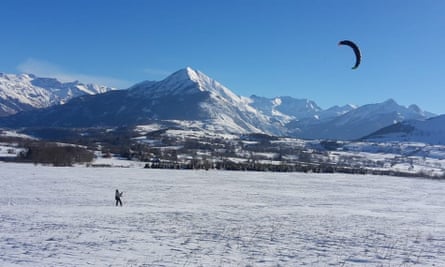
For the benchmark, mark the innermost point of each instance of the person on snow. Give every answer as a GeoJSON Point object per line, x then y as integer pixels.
{"type": "Point", "coordinates": [118, 196]}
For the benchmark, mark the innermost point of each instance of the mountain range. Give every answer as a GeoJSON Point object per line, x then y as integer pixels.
{"type": "Point", "coordinates": [357, 122]}
{"type": "Point", "coordinates": [190, 95]}
{"type": "Point", "coordinates": [25, 92]}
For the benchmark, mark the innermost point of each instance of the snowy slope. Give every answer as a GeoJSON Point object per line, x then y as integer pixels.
{"type": "Point", "coordinates": [26, 91]}
{"type": "Point", "coordinates": [431, 131]}
{"type": "Point", "coordinates": [66, 217]}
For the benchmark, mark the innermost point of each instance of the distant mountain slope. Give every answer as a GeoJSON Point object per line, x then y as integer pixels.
{"type": "Point", "coordinates": [25, 92]}
{"type": "Point", "coordinates": [357, 122]}
{"type": "Point", "coordinates": [335, 111]}
{"type": "Point", "coordinates": [285, 108]}
{"type": "Point", "coordinates": [431, 131]}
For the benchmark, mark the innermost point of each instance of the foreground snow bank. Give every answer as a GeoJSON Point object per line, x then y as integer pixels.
{"type": "Point", "coordinates": [66, 217]}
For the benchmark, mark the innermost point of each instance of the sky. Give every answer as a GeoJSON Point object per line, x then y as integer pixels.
{"type": "Point", "coordinates": [266, 48]}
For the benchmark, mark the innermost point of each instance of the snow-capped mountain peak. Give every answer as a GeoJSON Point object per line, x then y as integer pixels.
{"type": "Point", "coordinates": [188, 81]}
{"type": "Point", "coordinates": [181, 76]}
{"type": "Point", "coordinates": [181, 81]}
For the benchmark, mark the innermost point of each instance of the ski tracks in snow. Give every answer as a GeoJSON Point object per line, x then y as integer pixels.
{"type": "Point", "coordinates": [66, 217]}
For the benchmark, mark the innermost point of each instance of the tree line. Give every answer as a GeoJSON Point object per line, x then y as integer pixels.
{"type": "Point", "coordinates": [54, 153]}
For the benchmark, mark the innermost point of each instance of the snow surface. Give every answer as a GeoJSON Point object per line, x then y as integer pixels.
{"type": "Point", "coordinates": [53, 216]}
{"type": "Point", "coordinates": [12, 133]}
{"type": "Point", "coordinates": [7, 151]}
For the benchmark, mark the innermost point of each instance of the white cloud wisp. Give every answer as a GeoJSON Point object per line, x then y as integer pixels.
{"type": "Point", "coordinates": [46, 69]}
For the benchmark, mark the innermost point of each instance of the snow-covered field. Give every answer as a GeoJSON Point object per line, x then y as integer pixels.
{"type": "Point", "coordinates": [66, 217]}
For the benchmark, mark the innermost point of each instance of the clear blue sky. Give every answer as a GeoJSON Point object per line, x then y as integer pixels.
{"type": "Point", "coordinates": [268, 48]}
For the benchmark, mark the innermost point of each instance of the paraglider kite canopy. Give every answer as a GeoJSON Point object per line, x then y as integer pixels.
{"type": "Point", "coordinates": [358, 55]}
